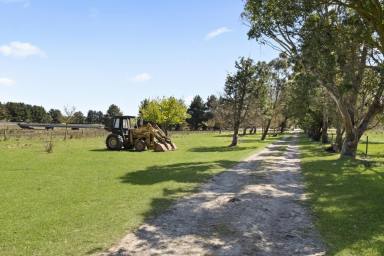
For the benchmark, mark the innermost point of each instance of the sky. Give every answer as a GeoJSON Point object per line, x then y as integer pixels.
{"type": "Point", "coordinates": [93, 53]}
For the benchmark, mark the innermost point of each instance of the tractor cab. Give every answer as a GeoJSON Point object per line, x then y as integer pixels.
{"type": "Point", "coordinates": [122, 124]}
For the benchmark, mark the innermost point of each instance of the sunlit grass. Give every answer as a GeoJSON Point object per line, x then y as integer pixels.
{"type": "Point", "coordinates": [347, 197]}
{"type": "Point", "coordinates": [81, 198]}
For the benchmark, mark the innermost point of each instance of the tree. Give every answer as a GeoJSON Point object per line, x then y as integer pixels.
{"type": "Point", "coordinates": [56, 115]}
{"type": "Point", "coordinates": [304, 104]}
{"type": "Point", "coordinates": [3, 112]}
{"type": "Point", "coordinates": [210, 106]}
{"type": "Point", "coordinates": [18, 112]}
{"type": "Point", "coordinates": [335, 45]}
{"type": "Point", "coordinates": [243, 89]}
{"type": "Point", "coordinates": [223, 115]}
{"type": "Point", "coordinates": [165, 112]}
{"type": "Point", "coordinates": [100, 117]}
{"type": "Point", "coordinates": [68, 117]}
{"type": "Point", "coordinates": [94, 117]}
{"type": "Point", "coordinates": [275, 90]}
{"type": "Point", "coordinates": [39, 115]}
{"type": "Point", "coordinates": [144, 103]}
{"type": "Point", "coordinates": [78, 118]}
{"type": "Point", "coordinates": [114, 110]}
{"type": "Point", "coordinates": [197, 111]}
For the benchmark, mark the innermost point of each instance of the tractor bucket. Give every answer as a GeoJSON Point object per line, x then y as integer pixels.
{"type": "Point", "coordinates": [170, 145]}
{"type": "Point", "coordinates": [160, 147]}
{"type": "Point", "coordinates": [173, 146]}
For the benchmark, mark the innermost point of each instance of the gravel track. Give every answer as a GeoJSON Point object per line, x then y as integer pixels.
{"type": "Point", "coordinates": [254, 208]}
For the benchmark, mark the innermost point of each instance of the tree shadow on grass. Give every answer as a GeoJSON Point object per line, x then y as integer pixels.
{"type": "Point", "coordinates": [219, 149]}
{"type": "Point", "coordinates": [99, 150]}
{"type": "Point", "coordinates": [189, 173]}
{"type": "Point", "coordinates": [348, 200]}
{"type": "Point", "coordinates": [225, 135]}
{"type": "Point", "coordinates": [193, 172]}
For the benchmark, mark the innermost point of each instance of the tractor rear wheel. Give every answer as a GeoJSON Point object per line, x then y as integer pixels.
{"type": "Point", "coordinates": [114, 142]}
{"type": "Point", "coordinates": [140, 145]}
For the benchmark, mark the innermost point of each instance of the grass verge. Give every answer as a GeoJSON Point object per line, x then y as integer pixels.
{"type": "Point", "coordinates": [347, 197]}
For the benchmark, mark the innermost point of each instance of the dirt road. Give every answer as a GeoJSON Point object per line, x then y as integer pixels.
{"type": "Point", "coordinates": [255, 208]}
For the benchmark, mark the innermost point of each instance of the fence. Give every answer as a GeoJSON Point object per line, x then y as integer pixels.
{"type": "Point", "coordinates": [13, 133]}
{"type": "Point", "coordinates": [367, 143]}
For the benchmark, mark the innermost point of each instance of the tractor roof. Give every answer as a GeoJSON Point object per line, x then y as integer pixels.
{"type": "Point", "coordinates": [128, 117]}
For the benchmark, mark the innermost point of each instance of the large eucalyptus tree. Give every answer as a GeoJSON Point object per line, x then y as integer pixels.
{"type": "Point", "coordinates": [339, 43]}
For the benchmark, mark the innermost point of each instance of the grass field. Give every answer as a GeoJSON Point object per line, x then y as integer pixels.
{"type": "Point", "coordinates": [347, 197]}
{"type": "Point", "coordinates": [81, 198]}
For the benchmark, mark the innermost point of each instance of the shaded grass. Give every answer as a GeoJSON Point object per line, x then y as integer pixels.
{"type": "Point", "coordinates": [81, 198]}
{"type": "Point", "coordinates": [347, 198]}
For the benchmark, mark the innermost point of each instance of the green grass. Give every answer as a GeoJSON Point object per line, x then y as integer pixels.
{"type": "Point", "coordinates": [81, 198]}
{"type": "Point", "coordinates": [347, 197]}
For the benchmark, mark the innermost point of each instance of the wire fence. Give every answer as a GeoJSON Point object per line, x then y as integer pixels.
{"type": "Point", "coordinates": [12, 133]}
{"type": "Point", "coordinates": [366, 143]}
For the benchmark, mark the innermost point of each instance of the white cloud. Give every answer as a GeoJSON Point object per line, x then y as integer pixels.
{"type": "Point", "coordinates": [24, 3]}
{"type": "Point", "coordinates": [142, 77]}
{"type": "Point", "coordinates": [4, 81]}
{"type": "Point", "coordinates": [21, 50]}
{"type": "Point", "coordinates": [217, 32]}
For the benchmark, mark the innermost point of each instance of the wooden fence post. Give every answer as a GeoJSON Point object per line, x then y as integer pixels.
{"type": "Point", "coordinates": [5, 134]}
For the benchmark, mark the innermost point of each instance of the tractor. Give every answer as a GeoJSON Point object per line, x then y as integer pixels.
{"type": "Point", "coordinates": [131, 133]}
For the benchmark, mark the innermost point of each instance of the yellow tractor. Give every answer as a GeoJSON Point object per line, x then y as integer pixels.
{"type": "Point", "coordinates": [128, 132]}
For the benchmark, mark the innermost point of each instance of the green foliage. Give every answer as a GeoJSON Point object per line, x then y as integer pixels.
{"type": "Point", "coordinates": [245, 88]}
{"type": "Point", "coordinates": [39, 115]}
{"type": "Point", "coordinates": [197, 112]}
{"type": "Point", "coordinates": [114, 110]}
{"type": "Point", "coordinates": [78, 118]}
{"type": "Point", "coordinates": [20, 112]}
{"type": "Point", "coordinates": [3, 112]}
{"type": "Point", "coordinates": [94, 117]}
{"type": "Point", "coordinates": [165, 111]}
{"type": "Point", "coordinates": [339, 43]}
{"type": "Point", "coordinates": [56, 115]}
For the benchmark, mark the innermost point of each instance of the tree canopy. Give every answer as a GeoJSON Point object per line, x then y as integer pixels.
{"type": "Point", "coordinates": [164, 111]}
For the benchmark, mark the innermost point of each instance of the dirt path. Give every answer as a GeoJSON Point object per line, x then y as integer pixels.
{"type": "Point", "coordinates": [254, 208]}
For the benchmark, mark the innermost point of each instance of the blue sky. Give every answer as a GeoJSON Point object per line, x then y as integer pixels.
{"type": "Point", "coordinates": [92, 53]}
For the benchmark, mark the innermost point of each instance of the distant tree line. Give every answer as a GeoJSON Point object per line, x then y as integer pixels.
{"type": "Point", "coordinates": [21, 112]}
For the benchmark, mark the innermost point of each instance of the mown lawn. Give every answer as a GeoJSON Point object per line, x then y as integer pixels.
{"type": "Point", "coordinates": [81, 198]}
{"type": "Point", "coordinates": [347, 197]}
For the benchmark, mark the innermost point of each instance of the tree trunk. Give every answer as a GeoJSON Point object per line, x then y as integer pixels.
{"type": "Point", "coordinates": [244, 131]}
{"type": "Point", "coordinates": [283, 125]}
{"type": "Point", "coordinates": [324, 129]}
{"type": "Point", "coordinates": [314, 133]}
{"type": "Point", "coordinates": [266, 128]}
{"type": "Point", "coordinates": [350, 143]}
{"type": "Point", "coordinates": [66, 131]}
{"type": "Point", "coordinates": [235, 135]}
{"type": "Point", "coordinates": [339, 138]}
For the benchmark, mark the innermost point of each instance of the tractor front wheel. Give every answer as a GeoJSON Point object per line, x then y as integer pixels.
{"type": "Point", "coordinates": [114, 142]}
{"type": "Point", "coordinates": [140, 145]}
